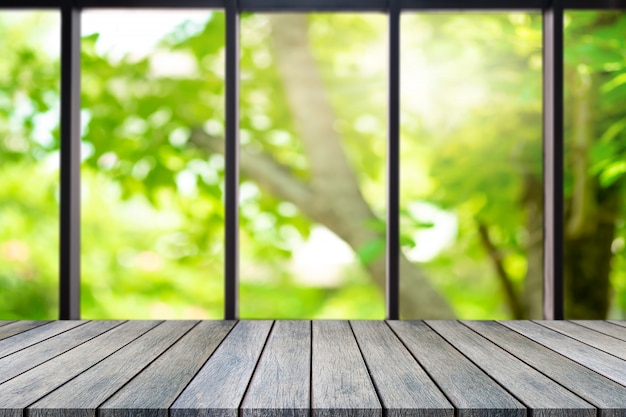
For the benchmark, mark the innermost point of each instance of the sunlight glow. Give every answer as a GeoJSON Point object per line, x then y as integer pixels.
{"type": "Point", "coordinates": [134, 32]}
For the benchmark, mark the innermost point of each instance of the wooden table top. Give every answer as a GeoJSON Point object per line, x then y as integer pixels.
{"type": "Point", "coordinates": [313, 368]}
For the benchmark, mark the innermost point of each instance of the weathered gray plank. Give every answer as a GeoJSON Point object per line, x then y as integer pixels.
{"type": "Point", "coordinates": [471, 391]}
{"type": "Point", "coordinates": [281, 382]}
{"type": "Point", "coordinates": [5, 322]}
{"type": "Point", "coordinates": [607, 395]}
{"type": "Point", "coordinates": [403, 386]}
{"type": "Point", "coordinates": [20, 326]}
{"type": "Point", "coordinates": [543, 396]}
{"type": "Point", "coordinates": [154, 390]}
{"type": "Point", "coordinates": [23, 390]}
{"type": "Point", "coordinates": [601, 362]}
{"type": "Point", "coordinates": [590, 337]}
{"type": "Point", "coordinates": [341, 382]}
{"type": "Point", "coordinates": [82, 395]}
{"type": "Point", "coordinates": [26, 359]}
{"type": "Point", "coordinates": [603, 327]}
{"type": "Point", "coordinates": [618, 322]}
{"type": "Point", "coordinates": [36, 335]}
{"type": "Point", "coordinates": [227, 373]}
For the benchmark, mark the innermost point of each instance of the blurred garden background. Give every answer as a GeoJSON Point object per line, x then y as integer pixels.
{"type": "Point", "coordinates": [313, 155]}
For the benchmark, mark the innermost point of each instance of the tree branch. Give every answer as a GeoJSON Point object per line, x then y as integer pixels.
{"type": "Point", "coordinates": [268, 173]}
{"type": "Point", "coordinates": [496, 258]}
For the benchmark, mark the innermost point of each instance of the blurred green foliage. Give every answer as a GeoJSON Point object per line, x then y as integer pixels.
{"type": "Point", "coordinates": [152, 214]}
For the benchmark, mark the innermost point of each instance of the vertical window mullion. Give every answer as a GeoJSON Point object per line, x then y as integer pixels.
{"type": "Point", "coordinates": [553, 160]}
{"type": "Point", "coordinates": [231, 198]}
{"type": "Point", "coordinates": [393, 166]}
{"type": "Point", "coordinates": [69, 262]}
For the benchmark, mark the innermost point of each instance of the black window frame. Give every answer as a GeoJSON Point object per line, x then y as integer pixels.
{"type": "Point", "coordinates": [552, 31]}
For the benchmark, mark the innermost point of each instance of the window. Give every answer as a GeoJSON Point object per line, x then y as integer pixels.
{"type": "Point", "coordinates": [152, 214]}
{"type": "Point", "coordinates": [314, 108]}
{"type": "Point", "coordinates": [29, 165]}
{"type": "Point", "coordinates": [470, 166]}
{"type": "Point", "coordinates": [401, 218]}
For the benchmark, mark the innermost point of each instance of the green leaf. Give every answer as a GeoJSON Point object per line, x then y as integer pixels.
{"type": "Point", "coordinates": [614, 130]}
{"type": "Point", "coordinates": [612, 173]}
{"type": "Point", "coordinates": [407, 241]}
{"type": "Point", "coordinates": [614, 83]}
{"type": "Point", "coordinates": [370, 251]}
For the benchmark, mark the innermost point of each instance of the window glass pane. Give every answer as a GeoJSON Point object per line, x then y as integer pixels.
{"type": "Point", "coordinates": [313, 126]}
{"type": "Point", "coordinates": [29, 164]}
{"type": "Point", "coordinates": [471, 180]}
{"type": "Point", "coordinates": [595, 145]}
{"type": "Point", "coordinates": [152, 211]}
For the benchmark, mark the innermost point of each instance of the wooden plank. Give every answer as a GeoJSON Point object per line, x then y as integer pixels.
{"type": "Point", "coordinates": [281, 382]}
{"type": "Point", "coordinates": [22, 361]}
{"type": "Point", "coordinates": [601, 362]}
{"type": "Point", "coordinates": [83, 394]}
{"type": "Point", "coordinates": [18, 327]}
{"type": "Point", "coordinates": [603, 327]}
{"type": "Point", "coordinates": [539, 393]}
{"type": "Point", "coordinates": [5, 322]}
{"type": "Point", "coordinates": [341, 385]}
{"type": "Point", "coordinates": [36, 335]}
{"type": "Point", "coordinates": [590, 337]}
{"type": "Point", "coordinates": [470, 390]}
{"type": "Point", "coordinates": [618, 322]}
{"type": "Point", "coordinates": [25, 389]}
{"type": "Point", "coordinates": [156, 388]}
{"type": "Point", "coordinates": [608, 396]}
{"type": "Point", "coordinates": [227, 373]}
{"type": "Point", "coordinates": [403, 386]}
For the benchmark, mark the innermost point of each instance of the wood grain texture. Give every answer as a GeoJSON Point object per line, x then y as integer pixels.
{"type": "Point", "coordinates": [539, 393]}
{"type": "Point", "coordinates": [25, 389]}
{"type": "Point", "coordinates": [471, 391]}
{"type": "Point", "coordinates": [601, 362]}
{"type": "Point", "coordinates": [18, 327]}
{"type": "Point", "coordinates": [402, 385]}
{"type": "Point", "coordinates": [281, 384]}
{"type": "Point", "coordinates": [36, 335]}
{"type": "Point", "coordinates": [608, 396]}
{"type": "Point", "coordinates": [604, 327]}
{"type": "Point", "coordinates": [341, 385]}
{"type": "Point", "coordinates": [156, 388]}
{"type": "Point", "coordinates": [590, 337]}
{"type": "Point", "coordinates": [28, 358]}
{"type": "Point", "coordinates": [219, 387]}
{"type": "Point", "coordinates": [82, 395]}
{"type": "Point", "coordinates": [306, 369]}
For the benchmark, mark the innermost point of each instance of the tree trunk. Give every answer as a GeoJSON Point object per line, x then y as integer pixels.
{"type": "Point", "coordinates": [591, 212]}
{"type": "Point", "coordinates": [589, 219]}
{"type": "Point", "coordinates": [587, 258]}
{"type": "Point", "coordinates": [337, 201]}
{"type": "Point", "coordinates": [533, 284]}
